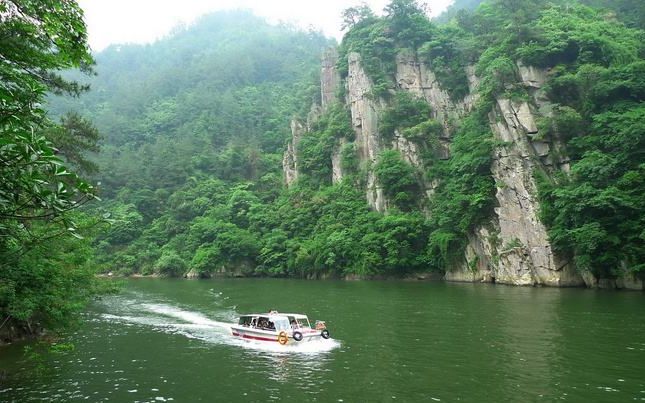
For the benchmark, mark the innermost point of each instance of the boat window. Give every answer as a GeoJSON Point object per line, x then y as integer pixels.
{"type": "Point", "coordinates": [282, 324]}
{"type": "Point", "coordinates": [303, 322]}
{"type": "Point", "coordinates": [245, 320]}
{"type": "Point", "coordinates": [263, 322]}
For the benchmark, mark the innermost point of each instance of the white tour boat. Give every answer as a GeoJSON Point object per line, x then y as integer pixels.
{"type": "Point", "coordinates": [278, 327]}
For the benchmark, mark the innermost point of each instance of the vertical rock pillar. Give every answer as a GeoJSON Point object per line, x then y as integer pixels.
{"type": "Point", "coordinates": [364, 110]}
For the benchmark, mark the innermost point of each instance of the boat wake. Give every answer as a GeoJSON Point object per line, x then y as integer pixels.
{"type": "Point", "coordinates": [162, 316]}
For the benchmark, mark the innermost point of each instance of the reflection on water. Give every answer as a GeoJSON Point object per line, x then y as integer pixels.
{"type": "Point", "coordinates": [164, 340]}
{"type": "Point", "coordinates": [527, 337]}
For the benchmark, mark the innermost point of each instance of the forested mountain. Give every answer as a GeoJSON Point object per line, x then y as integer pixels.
{"type": "Point", "coordinates": [169, 110]}
{"type": "Point", "coordinates": [630, 12]}
{"type": "Point", "coordinates": [496, 125]}
{"type": "Point", "coordinates": [505, 145]}
{"type": "Point", "coordinates": [192, 124]}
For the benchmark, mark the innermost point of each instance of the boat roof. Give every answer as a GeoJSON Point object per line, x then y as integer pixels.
{"type": "Point", "coordinates": [278, 314]}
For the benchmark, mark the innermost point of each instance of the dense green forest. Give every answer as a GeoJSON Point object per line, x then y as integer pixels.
{"type": "Point", "coordinates": [183, 140]}
{"type": "Point", "coordinates": [630, 12]}
{"type": "Point", "coordinates": [195, 128]}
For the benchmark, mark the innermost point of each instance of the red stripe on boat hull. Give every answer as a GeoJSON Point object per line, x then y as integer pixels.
{"type": "Point", "coordinates": [246, 336]}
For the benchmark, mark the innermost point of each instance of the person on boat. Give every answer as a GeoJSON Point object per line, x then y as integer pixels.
{"type": "Point", "coordinates": [294, 325]}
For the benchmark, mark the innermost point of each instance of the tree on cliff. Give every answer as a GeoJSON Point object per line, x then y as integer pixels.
{"type": "Point", "coordinates": [354, 15]}
{"type": "Point", "coordinates": [37, 192]}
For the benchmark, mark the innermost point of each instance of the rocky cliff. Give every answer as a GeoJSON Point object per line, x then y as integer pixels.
{"type": "Point", "coordinates": [290, 158]}
{"type": "Point", "coordinates": [521, 253]}
{"type": "Point", "coordinates": [364, 111]}
{"type": "Point", "coordinates": [513, 247]}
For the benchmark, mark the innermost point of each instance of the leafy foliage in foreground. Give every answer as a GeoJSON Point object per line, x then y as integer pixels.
{"type": "Point", "coordinates": [44, 272]}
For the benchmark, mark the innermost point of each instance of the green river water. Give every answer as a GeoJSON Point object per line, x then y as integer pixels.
{"type": "Point", "coordinates": [166, 340]}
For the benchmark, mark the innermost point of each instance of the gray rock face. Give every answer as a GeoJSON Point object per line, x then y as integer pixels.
{"type": "Point", "coordinates": [531, 260]}
{"type": "Point", "coordinates": [477, 266]}
{"type": "Point", "coordinates": [518, 116]}
{"type": "Point", "coordinates": [193, 274]}
{"type": "Point", "coordinates": [472, 97]}
{"type": "Point", "coordinates": [531, 76]}
{"type": "Point", "coordinates": [629, 282]}
{"type": "Point", "coordinates": [521, 253]}
{"type": "Point", "coordinates": [626, 280]}
{"type": "Point", "coordinates": [415, 77]}
{"type": "Point", "coordinates": [364, 111]}
{"type": "Point", "coordinates": [410, 151]}
{"type": "Point", "coordinates": [336, 162]}
{"type": "Point", "coordinates": [290, 157]}
{"type": "Point", "coordinates": [329, 77]}
{"type": "Point", "coordinates": [513, 247]}
{"type": "Point", "coordinates": [314, 114]}
{"type": "Point", "coordinates": [329, 85]}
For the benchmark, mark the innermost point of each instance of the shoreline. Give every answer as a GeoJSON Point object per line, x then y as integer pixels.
{"type": "Point", "coordinates": [603, 284]}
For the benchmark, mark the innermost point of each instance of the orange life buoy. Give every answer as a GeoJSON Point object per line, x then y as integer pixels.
{"type": "Point", "coordinates": [283, 338]}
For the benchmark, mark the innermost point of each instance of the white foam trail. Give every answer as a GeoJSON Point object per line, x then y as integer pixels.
{"type": "Point", "coordinates": [196, 325]}
{"type": "Point", "coordinates": [307, 347]}
{"type": "Point", "coordinates": [187, 316]}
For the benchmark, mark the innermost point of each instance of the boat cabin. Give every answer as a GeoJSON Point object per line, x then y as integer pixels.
{"type": "Point", "coordinates": [275, 322]}
{"type": "Point", "coordinates": [278, 327]}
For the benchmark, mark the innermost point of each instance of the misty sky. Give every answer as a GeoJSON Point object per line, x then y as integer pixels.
{"type": "Point", "coordinates": [141, 21]}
